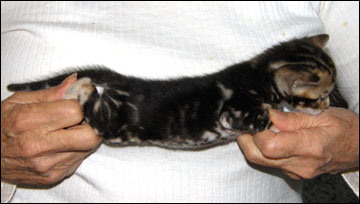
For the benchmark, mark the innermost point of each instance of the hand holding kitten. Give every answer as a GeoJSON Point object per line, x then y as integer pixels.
{"type": "Point", "coordinates": [35, 147]}
{"type": "Point", "coordinates": [307, 145]}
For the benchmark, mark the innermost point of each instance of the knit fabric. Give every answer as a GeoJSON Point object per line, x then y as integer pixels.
{"type": "Point", "coordinates": [165, 40]}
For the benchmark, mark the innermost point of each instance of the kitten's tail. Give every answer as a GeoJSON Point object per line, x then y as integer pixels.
{"type": "Point", "coordinates": [18, 87]}
{"type": "Point", "coordinates": [37, 85]}
{"type": "Point", "coordinates": [97, 74]}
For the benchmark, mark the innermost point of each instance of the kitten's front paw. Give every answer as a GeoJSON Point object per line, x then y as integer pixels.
{"type": "Point", "coordinates": [80, 90]}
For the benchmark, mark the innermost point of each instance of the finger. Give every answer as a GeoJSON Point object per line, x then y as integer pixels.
{"type": "Point", "coordinates": [46, 95]}
{"type": "Point", "coordinates": [63, 170]}
{"type": "Point", "coordinates": [67, 164]}
{"type": "Point", "coordinates": [278, 145]}
{"type": "Point", "coordinates": [20, 177]}
{"type": "Point", "coordinates": [59, 161]}
{"type": "Point", "coordinates": [54, 169]}
{"type": "Point", "coordinates": [41, 163]}
{"type": "Point", "coordinates": [291, 175]}
{"type": "Point", "coordinates": [45, 116]}
{"type": "Point", "coordinates": [77, 138]}
{"type": "Point", "coordinates": [292, 120]}
{"type": "Point", "coordinates": [252, 152]}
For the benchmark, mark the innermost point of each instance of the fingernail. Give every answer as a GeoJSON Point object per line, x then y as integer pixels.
{"type": "Point", "coordinates": [271, 113]}
{"type": "Point", "coordinates": [74, 75]}
{"type": "Point", "coordinates": [276, 114]}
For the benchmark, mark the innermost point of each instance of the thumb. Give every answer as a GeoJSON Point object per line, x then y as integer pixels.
{"type": "Point", "coordinates": [46, 95]}
{"type": "Point", "coordinates": [289, 121]}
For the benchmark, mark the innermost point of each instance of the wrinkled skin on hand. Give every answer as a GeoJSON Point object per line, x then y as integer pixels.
{"type": "Point", "coordinates": [35, 147]}
{"type": "Point", "coordinates": [307, 145]}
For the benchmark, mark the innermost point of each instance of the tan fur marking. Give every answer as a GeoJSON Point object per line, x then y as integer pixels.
{"type": "Point", "coordinates": [80, 90]}
{"type": "Point", "coordinates": [318, 91]}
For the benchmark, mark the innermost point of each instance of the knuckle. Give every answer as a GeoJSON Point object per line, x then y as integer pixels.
{"type": "Point", "coordinates": [269, 147]}
{"type": "Point", "coordinates": [53, 177]}
{"type": "Point", "coordinates": [309, 174]}
{"type": "Point", "coordinates": [91, 137]}
{"type": "Point", "coordinates": [40, 166]}
{"type": "Point", "coordinates": [19, 119]}
{"type": "Point", "coordinates": [74, 110]}
{"type": "Point", "coordinates": [252, 156]}
{"type": "Point", "coordinates": [27, 147]}
{"type": "Point", "coordinates": [318, 153]}
{"type": "Point", "coordinates": [309, 171]}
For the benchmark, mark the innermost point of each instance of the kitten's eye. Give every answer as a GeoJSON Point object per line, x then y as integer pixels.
{"type": "Point", "coordinates": [314, 78]}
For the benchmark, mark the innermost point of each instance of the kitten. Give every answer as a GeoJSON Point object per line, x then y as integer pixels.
{"type": "Point", "coordinates": [194, 113]}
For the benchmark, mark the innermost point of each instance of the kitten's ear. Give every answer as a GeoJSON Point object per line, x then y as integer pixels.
{"type": "Point", "coordinates": [294, 82]}
{"type": "Point", "coordinates": [318, 40]}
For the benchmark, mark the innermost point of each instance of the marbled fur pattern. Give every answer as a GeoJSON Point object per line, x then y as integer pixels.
{"type": "Point", "coordinates": [195, 113]}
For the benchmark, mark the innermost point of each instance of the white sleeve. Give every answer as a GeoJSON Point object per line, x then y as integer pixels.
{"type": "Point", "coordinates": [7, 192]}
{"type": "Point", "coordinates": [341, 22]}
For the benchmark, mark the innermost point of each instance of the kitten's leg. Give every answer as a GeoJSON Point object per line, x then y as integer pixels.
{"type": "Point", "coordinates": [100, 119]}
{"type": "Point", "coordinates": [80, 90]}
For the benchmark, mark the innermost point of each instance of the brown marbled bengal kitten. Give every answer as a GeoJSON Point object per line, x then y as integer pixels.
{"type": "Point", "coordinates": [194, 113]}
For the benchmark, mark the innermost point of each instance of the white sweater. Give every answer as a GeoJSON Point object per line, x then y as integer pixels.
{"type": "Point", "coordinates": [165, 40]}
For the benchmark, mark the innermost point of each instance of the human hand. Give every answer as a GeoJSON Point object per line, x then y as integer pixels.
{"type": "Point", "coordinates": [307, 145]}
{"type": "Point", "coordinates": [35, 147]}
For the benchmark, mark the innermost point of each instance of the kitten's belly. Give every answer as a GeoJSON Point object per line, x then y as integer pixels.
{"type": "Point", "coordinates": [208, 139]}
{"type": "Point", "coordinates": [205, 140]}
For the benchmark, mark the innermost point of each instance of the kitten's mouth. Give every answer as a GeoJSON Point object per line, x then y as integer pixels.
{"type": "Point", "coordinates": [286, 107]}
{"type": "Point", "coordinates": [309, 110]}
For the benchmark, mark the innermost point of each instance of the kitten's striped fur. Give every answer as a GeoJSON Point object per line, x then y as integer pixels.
{"type": "Point", "coordinates": [199, 112]}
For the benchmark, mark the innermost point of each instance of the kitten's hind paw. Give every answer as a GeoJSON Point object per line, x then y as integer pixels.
{"type": "Point", "coordinates": [80, 90]}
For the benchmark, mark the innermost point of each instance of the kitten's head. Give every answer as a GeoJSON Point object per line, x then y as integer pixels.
{"type": "Point", "coordinates": [304, 75]}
